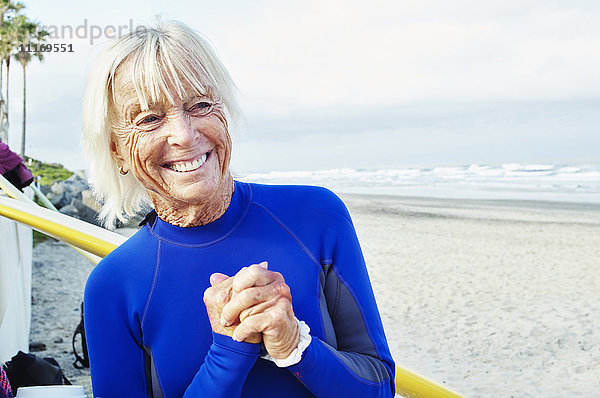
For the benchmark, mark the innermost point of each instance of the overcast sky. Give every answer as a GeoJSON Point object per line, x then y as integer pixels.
{"type": "Point", "coordinates": [346, 83]}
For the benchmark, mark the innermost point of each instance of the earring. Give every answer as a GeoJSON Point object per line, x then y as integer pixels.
{"type": "Point", "coordinates": [123, 172]}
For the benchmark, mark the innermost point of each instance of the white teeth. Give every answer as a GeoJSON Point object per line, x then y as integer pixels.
{"type": "Point", "coordinates": [188, 166]}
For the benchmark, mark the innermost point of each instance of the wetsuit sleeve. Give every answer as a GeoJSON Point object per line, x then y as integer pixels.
{"type": "Point", "coordinates": [119, 363]}
{"type": "Point", "coordinates": [361, 365]}
{"type": "Point", "coordinates": [224, 370]}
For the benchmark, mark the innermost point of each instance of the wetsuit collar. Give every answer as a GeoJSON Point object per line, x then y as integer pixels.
{"type": "Point", "coordinates": [211, 232]}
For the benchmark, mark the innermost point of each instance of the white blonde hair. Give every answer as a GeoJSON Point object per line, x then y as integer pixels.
{"type": "Point", "coordinates": [167, 55]}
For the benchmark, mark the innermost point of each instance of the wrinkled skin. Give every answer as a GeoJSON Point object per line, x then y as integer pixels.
{"type": "Point", "coordinates": [215, 298]}
{"type": "Point", "coordinates": [147, 142]}
{"type": "Point", "coordinates": [253, 305]}
{"type": "Point", "coordinates": [254, 301]}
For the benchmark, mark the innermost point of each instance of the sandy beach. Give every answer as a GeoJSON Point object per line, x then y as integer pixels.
{"type": "Point", "coordinates": [492, 298]}
{"type": "Point", "coordinates": [495, 299]}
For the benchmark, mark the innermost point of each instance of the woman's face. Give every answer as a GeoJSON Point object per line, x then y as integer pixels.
{"type": "Point", "coordinates": [179, 152]}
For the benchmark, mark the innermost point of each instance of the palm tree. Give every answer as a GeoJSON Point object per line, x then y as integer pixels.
{"type": "Point", "coordinates": [28, 33]}
{"type": "Point", "coordinates": [7, 47]}
{"type": "Point", "coordinates": [5, 51]}
{"type": "Point", "coordinates": [8, 44]}
{"type": "Point", "coordinates": [8, 6]}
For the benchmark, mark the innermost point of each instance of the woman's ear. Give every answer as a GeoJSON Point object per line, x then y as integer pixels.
{"type": "Point", "coordinates": [116, 155]}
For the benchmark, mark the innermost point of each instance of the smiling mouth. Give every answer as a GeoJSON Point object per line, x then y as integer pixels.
{"type": "Point", "coordinates": [185, 167]}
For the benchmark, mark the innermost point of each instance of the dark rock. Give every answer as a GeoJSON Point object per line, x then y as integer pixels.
{"type": "Point", "coordinates": [58, 195]}
{"type": "Point", "coordinates": [58, 340]}
{"type": "Point", "coordinates": [62, 193]}
{"type": "Point", "coordinates": [75, 184]}
{"type": "Point", "coordinates": [45, 189]}
{"type": "Point", "coordinates": [88, 199]}
{"type": "Point", "coordinates": [37, 346]}
{"type": "Point", "coordinates": [80, 211]}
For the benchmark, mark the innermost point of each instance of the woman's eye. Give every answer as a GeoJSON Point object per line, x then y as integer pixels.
{"type": "Point", "coordinates": [202, 106]}
{"type": "Point", "coordinates": [147, 119]}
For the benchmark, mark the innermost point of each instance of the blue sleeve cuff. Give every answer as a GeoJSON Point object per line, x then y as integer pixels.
{"type": "Point", "coordinates": [308, 358]}
{"type": "Point", "coordinates": [225, 368]}
{"type": "Point", "coordinates": [241, 347]}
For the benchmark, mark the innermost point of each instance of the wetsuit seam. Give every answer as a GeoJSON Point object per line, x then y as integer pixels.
{"type": "Point", "coordinates": [204, 244]}
{"type": "Point", "coordinates": [212, 242]}
{"type": "Point", "coordinates": [353, 374]}
{"type": "Point", "coordinates": [361, 310]}
{"type": "Point", "coordinates": [152, 287]}
{"type": "Point", "coordinates": [336, 303]}
{"type": "Point", "coordinates": [318, 290]}
{"type": "Point", "coordinates": [310, 255]}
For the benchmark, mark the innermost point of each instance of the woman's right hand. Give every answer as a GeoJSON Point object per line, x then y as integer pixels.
{"type": "Point", "coordinates": [215, 298]}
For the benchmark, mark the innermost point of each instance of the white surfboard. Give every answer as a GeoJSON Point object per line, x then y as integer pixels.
{"type": "Point", "coordinates": [81, 234]}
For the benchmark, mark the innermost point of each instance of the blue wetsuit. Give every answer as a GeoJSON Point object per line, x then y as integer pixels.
{"type": "Point", "coordinates": [146, 325]}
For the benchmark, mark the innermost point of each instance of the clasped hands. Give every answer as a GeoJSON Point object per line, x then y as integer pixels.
{"type": "Point", "coordinates": [254, 305]}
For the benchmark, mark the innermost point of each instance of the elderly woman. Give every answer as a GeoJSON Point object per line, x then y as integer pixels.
{"type": "Point", "coordinates": [229, 289]}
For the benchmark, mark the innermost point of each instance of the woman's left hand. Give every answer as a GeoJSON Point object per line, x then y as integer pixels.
{"type": "Point", "coordinates": [215, 298]}
{"type": "Point", "coordinates": [263, 304]}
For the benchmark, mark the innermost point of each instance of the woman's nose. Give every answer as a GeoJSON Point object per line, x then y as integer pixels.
{"type": "Point", "coordinates": [181, 132]}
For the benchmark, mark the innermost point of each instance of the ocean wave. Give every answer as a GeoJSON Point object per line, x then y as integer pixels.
{"type": "Point", "coordinates": [505, 181]}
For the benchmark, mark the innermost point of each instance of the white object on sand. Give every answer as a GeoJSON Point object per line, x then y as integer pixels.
{"type": "Point", "coordinates": [51, 392]}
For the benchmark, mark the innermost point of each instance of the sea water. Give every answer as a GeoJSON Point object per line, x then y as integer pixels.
{"type": "Point", "coordinates": [551, 182]}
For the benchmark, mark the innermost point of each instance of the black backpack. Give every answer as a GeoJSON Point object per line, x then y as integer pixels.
{"type": "Point", "coordinates": [81, 362]}
{"type": "Point", "coordinates": [25, 370]}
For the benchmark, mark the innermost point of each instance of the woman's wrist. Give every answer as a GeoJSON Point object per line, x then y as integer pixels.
{"type": "Point", "coordinates": [296, 354]}
{"type": "Point", "coordinates": [226, 342]}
